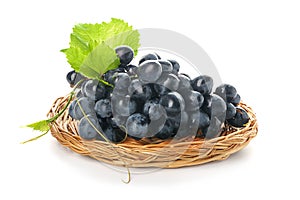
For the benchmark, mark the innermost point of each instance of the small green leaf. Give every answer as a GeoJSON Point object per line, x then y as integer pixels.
{"type": "Point", "coordinates": [42, 126]}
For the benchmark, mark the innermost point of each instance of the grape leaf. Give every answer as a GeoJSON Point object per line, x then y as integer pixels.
{"type": "Point", "coordinates": [42, 126]}
{"type": "Point", "coordinates": [86, 38]}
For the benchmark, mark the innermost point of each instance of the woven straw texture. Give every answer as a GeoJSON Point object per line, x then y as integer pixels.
{"type": "Point", "coordinates": [162, 154]}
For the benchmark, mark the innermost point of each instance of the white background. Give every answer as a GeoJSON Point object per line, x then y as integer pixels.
{"type": "Point", "coordinates": [255, 46]}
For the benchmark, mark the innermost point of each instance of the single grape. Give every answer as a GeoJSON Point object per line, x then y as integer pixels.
{"type": "Point", "coordinates": [155, 126]}
{"type": "Point", "coordinates": [230, 111]}
{"type": "Point", "coordinates": [240, 119]}
{"type": "Point", "coordinates": [125, 54]}
{"type": "Point", "coordinates": [95, 90]}
{"type": "Point", "coordinates": [110, 75]}
{"type": "Point", "coordinates": [149, 71]}
{"type": "Point", "coordinates": [167, 130]}
{"type": "Point", "coordinates": [173, 103]}
{"type": "Point", "coordinates": [218, 108]}
{"type": "Point", "coordinates": [227, 92]}
{"type": "Point", "coordinates": [114, 135]}
{"type": "Point", "coordinates": [204, 120]}
{"type": "Point", "coordinates": [139, 90]}
{"type": "Point", "coordinates": [184, 83]}
{"type": "Point", "coordinates": [156, 112]}
{"type": "Point", "coordinates": [202, 84]}
{"type": "Point", "coordinates": [166, 66]}
{"type": "Point", "coordinates": [88, 127]}
{"type": "Point", "coordinates": [171, 82]}
{"type": "Point", "coordinates": [236, 100]}
{"type": "Point", "coordinates": [131, 70]}
{"type": "Point", "coordinates": [71, 109]}
{"type": "Point", "coordinates": [206, 106]}
{"type": "Point", "coordinates": [149, 56]}
{"type": "Point", "coordinates": [189, 126]}
{"type": "Point", "coordinates": [103, 108]}
{"type": "Point", "coordinates": [122, 82]}
{"type": "Point", "coordinates": [85, 104]}
{"type": "Point", "coordinates": [214, 129]}
{"type": "Point", "coordinates": [193, 100]}
{"type": "Point", "coordinates": [160, 90]}
{"type": "Point", "coordinates": [123, 106]}
{"type": "Point", "coordinates": [175, 65]}
{"type": "Point", "coordinates": [73, 77]}
{"type": "Point", "coordinates": [137, 125]}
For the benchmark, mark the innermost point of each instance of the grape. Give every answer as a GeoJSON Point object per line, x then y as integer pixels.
{"type": "Point", "coordinates": [227, 92]}
{"type": "Point", "coordinates": [214, 129]}
{"type": "Point", "coordinates": [114, 135]}
{"type": "Point", "coordinates": [236, 100]}
{"type": "Point", "coordinates": [175, 65]}
{"type": "Point", "coordinates": [137, 125]}
{"type": "Point", "coordinates": [160, 90]}
{"type": "Point", "coordinates": [125, 54]}
{"type": "Point", "coordinates": [166, 131]}
{"type": "Point", "coordinates": [109, 76]}
{"type": "Point", "coordinates": [189, 127]}
{"type": "Point", "coordinates": [123, 106]}
{"type": "Point", "coordinates": [204, 120]}
{"type": "Point", "coordinates": [73, 77]}
{"type": "Point", "coordinates": [240, 119]}
{"type": "Point", "coordinates": [131, 70]}
{"type": "Point", "coordinates": [184, 83]}
{"type": "Point", "coordinates": [166, 66]}
{"type": "Point", "coordinates": [230, 111]}
{"type": "Point", "coordinates": [86, 127]}
{"type": "Point", "coordinates": [85, 104]}
{"type": "Point", "coordinates": [71, 110]}
{"type": "Point", "coordinates": [193, 100]}
{"type": "Point", "coordinates": [202, 84]}
{"type": "Point", "coordinates": [137, 90]}
{"type": "Point", "coordinates": [218, 108]}
{"type": "Point", "coordinates": [171, 82]}
{"type": "Point", "coordinates": [149, 71]}
{"type": "Point", "coordinates": [103, 108]}
{"type": "Point", "coordinates": [206, 106]}
{"type": "Point", "coordinates": [149, 56]}
{"type": "Point", "coordinates": [122, 82]}
{"type": "Point", "coordinates": [94, 89]}
{"type": "Point", "coordinates": [173, 103]}
{"type": "Point", "coordinates": [156, 126]}
{"type": "Point", "coordinates": [156, 111]}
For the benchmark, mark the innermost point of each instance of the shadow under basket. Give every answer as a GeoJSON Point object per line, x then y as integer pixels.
{"type": "Point", "coordinates": [159, 153]}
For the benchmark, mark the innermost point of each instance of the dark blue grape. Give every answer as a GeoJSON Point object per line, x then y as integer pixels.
{"type": "Point", "coordinates": [156, 111]}
{"type": "Point", "coordinates": [167, 130]}
{"type": "Point", "coordinates": [149, 56]}
{"type": "Point", "coordinates": [236, 100]}
{"type": "Point", "coordinates": [206, 106]}
{"type": "Point", "coordinates": [204, 120]}
{"type": "Point", "coordinates": [175, 65]}
{"type": "Point", "coordinates": [114, 135]}
{"type": "Point", "coordinates": [138, 90]}
{"type": "Point", "coordinates": [131, 70]}
{"type": "Point", "coordinates": [160, 90]}
{"type": "Point", "coordinates": [227, 92]}
{"type": "Point", "coordinates": [214, 129]}
{"type": "Point", "coordinates": [73, 77]}
{"type": "Point", "coordinates": [84, 103]}
{"type": "Point", "coordinates": [240, 119]}
{"type": "Point", "coordinates": [94, 89]}
{"type": "Point", "coordinates": [218, 108]}
{"type": "Point", "coordinates": [123, 106]}
{"type": "Point", "coordinates": [88, 127]}
{"type": "Point", "coordinates": [173, 103]}
{"type": "Point", "coordinates": [171, 82]}
{"type": "Point", "coordinates": [230, 111]}
{"type": "Point", "coordinates": [125, 54]}
{"type": "Point", "coordinates": [103, 108]}
{"type": "Point", "coordinates": [166, 66]}
{"type": "Point", "coordinates": [110, 75]}
{"type": "Point", "coordinates": [149, 71]}
{"type": "Point", "coordinates": [184, 83]}
{"type": "Point", "coordinates": [137, 125]}
{"type": "Point", "coordinates": [189, 124]}
{"type": "Point", "coordinates": [122, 82]}
{"type": "Point", "coordinates": [202, 84]}
{"type": "Point", "coordinates": [71, 110]}
{"type": "Point", "coordinates": [193, 100]}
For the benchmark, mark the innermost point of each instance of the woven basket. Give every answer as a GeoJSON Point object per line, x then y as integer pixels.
{"type": "Point", "coordinates": [162, 154]}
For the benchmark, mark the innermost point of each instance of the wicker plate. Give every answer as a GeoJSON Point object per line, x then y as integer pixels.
{"type": "Point", "coordinates": [163, 154]}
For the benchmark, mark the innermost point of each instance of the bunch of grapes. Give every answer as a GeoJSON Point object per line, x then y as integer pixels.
{"type": "Point", "coordinates": [152, 100]}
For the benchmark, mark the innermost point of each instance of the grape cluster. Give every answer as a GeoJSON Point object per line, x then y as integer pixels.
{"type": "Point", "coordinates": [152, 100]}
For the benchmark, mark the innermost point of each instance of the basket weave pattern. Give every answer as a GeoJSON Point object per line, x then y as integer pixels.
{"type": "Point", "coordinates": [163, 154]}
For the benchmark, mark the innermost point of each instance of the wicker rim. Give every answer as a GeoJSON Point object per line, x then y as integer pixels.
{"type": "Point", "coordinates": [162, 154]}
